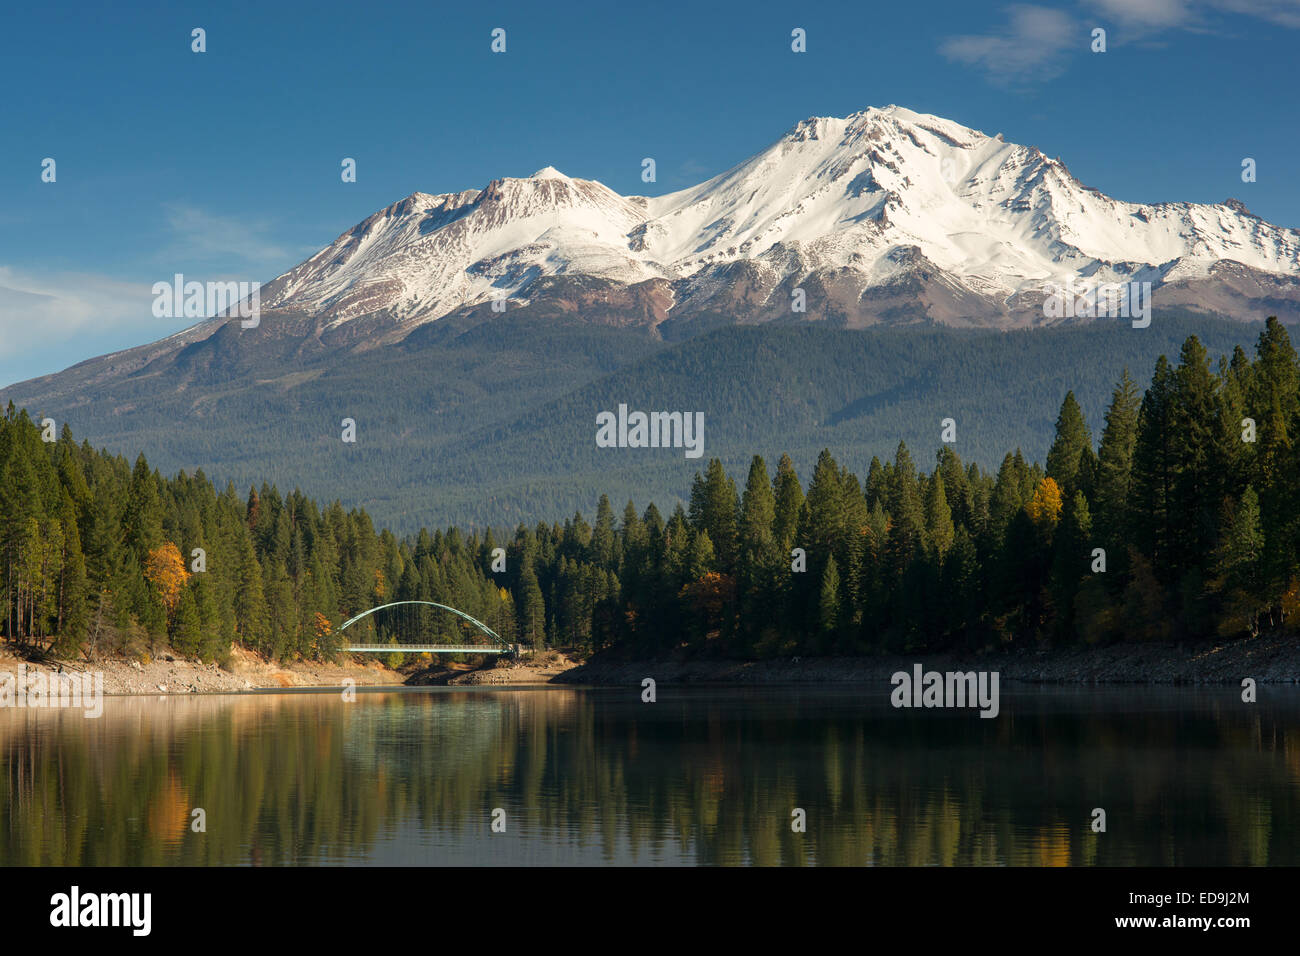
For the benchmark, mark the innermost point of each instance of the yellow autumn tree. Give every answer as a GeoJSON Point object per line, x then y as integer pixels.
{"type": "Point", "coordinates": [709, 595]}
{"type": "Point", "coordinates": [1044, 508]}
{"type": "Point", "coordinates": [321, 629]}
{"type": "Point", "coordinates": [165, 570]}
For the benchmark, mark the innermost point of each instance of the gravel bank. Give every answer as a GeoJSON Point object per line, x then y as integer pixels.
{"type": "Point", "coordinates": [544, 670]}
{"type": "Point", "coordinates": [1266, 659]}
{"type": "Point", "coordinates": [248, 671]}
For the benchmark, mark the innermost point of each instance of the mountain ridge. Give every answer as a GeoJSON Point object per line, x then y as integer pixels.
{"type": "Point", "coordinates": [862, 212]}
{"type": "Point", "coordinates": [466, 411]}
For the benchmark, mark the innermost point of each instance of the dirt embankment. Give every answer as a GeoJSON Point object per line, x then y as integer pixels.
{"type": "Point", "coordinates": [1266, 659]}
{"type": "Point", "coordinates": [546, 668]}
{"type": "Point", "coordinates": [244, 671]}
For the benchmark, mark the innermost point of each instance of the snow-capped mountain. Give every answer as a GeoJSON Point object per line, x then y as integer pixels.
{"type": "Point", "coordinates": [884, 216]}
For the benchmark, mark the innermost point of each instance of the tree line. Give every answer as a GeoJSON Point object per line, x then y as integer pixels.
{"type": "Point", "coordinates": [1181, 522]}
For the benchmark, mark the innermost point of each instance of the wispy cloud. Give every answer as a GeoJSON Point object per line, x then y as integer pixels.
{"type": "Point", "coordinates": [1284, 13]}
{"type": "Point", "coordinates": [48, 320]}
{"type": "Point", "coordinates": [1033, 42]}
{"type": "Point", "coordinates": [1150, 15]}
{"type": "Point", "coordinates": [198, 234]}
{"type": "Point", "coordinates": [40, 310]}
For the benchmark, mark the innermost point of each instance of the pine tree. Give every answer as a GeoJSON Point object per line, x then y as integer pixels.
{"type": "Point", "coordinates": [714, 505]}
{"type": "Point", "coordinates": [938, 517]}
{"type": "Point", "coordinates": [701, 557]}
{"type": "Point", "coordinates": [142, 520]}
{"type": "Point", "coordinates": [877, 489]}
{"type": "Point", "coordinates": [758, 558]}
{"type": "Point", "coordinates": [1273, 399]}
{"type": "Point", "coordinates": [214, 633]}
{"type": "Point", "coordinates": [828, 602]}
{"type": "Point", "coordinates": [957, 487]}
{"type": "Point", "coordinates": [788, 501]}
{"type": "Point", "coordinates": [602, 537]}
{"type": "Point", "coordinates": [964, 586]}
{"type": "Point", "coordinates": [823, 532]}
{"type": "Point", "coordinates": [1005, 500]}
{"type": "Point", "coordinates": [1197, 462]}
{"type": "Point", "coordinates": [1069, 446]}
{"type": "Point", "coordinates": [1115, 465]}
{"type": "Point", "coordinates": [1239, 566]}
{"type": "Point", "coordinates": [1152, 474]}
{"type": "Point", "coordinates": [74, 611]}
{"type": "Point", "coordinates": [532, 608]}
{"type": "Point", "coordinates": [187, 625]}
{"type": "Point", "coordinates": [907, 532]}
{"type": "Point", "coordinates": [1071, 553]}
{"type": "Point", "coordinates": [250, 599]}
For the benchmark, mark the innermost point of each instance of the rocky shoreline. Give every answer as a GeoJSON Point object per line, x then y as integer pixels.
{"type": "Point", "coordinates": [244, 671]}
{"type": "Point", "coordinates": [1266, 660]}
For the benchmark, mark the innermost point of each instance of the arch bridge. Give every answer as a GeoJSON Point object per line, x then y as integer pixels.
{"type": "Point", "coordinates": [496, 644]}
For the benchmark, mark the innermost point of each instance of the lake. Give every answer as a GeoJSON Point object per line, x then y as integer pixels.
{"type": "Point", "coordinates": [705, 775]}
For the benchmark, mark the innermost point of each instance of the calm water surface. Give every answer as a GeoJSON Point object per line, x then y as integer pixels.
{"type": "Point", "coordinates": [703, 776]}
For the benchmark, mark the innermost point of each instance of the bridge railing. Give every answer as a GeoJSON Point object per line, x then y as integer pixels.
{"type": "Point", "coordinates": [511, 649]}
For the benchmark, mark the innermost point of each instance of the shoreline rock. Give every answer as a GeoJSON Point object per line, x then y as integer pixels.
{"type": "Point", "coordinates": [1271, 660]}
{"type": "Point", "coordinates": [1268, 660]}
{"type": "Point", "coordinates": [173, 676]}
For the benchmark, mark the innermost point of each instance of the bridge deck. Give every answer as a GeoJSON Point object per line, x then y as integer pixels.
{"type": "Point", "coordinates": [424, 649]}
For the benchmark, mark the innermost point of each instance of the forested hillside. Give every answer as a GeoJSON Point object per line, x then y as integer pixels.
{"type": "Point", "coordinates": [1178, 517]}
{"type": "Point", "coordinates": [492, 422]}
{"type": "Point", "coordinates": [796, 390]}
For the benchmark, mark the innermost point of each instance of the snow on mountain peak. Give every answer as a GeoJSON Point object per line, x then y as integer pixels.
{"type": "Point", "coordinates": [873, 198]}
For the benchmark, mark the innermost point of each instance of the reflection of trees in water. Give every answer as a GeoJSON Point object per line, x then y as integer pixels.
{"type": "Point", "coordinates": [309, 778]}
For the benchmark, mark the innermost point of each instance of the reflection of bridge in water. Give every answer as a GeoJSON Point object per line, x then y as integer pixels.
{"type": "Point", "coordinates": [496, 644]}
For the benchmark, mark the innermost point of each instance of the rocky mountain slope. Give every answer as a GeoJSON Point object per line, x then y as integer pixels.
{"type": "Point", "coordinates": [883, 216]}
{"type": "Point", "coordinates": [886, 219]}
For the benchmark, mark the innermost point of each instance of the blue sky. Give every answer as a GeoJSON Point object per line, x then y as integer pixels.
{"type": "Point", "coordinates": [225, 164]}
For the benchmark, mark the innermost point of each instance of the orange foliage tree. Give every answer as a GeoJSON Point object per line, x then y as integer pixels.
{"type": "Point", "coordinates": [1044, 507]}
{"type": "Point", "coordinates": [321, 628]}
{"type": "Point", "coordinates": [710, 595]}
{"type": "Point", "coordinates": [165, 570]}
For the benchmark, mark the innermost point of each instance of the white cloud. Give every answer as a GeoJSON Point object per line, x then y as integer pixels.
{"type": "Point", "coordinates": [51, 321]}
{"type": "Point", "coordinates": [40, 311]}
{"type": "Point", "coordinates": [1148, 15]}
{"type": "Point", "coordinates": [197, 234]}
{"type": "Point", "coordinates": [1284, 13]}
{"type": "Point", "coordinates": [1034, 41]}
